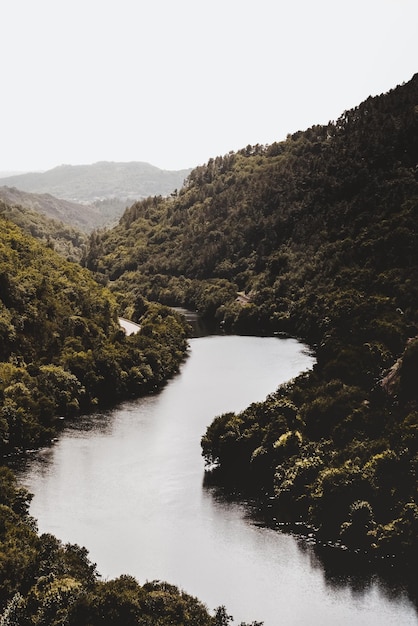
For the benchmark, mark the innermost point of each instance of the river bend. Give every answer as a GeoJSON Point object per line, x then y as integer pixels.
{"type": "Point", "coordinates": [128, 485]}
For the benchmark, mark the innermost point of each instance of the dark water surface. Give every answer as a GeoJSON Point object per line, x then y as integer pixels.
{"type": "Point", "coordinates": [128, 485]}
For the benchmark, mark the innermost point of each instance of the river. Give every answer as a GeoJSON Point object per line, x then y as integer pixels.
{"type": "Point", "coordinates": [129, 485]}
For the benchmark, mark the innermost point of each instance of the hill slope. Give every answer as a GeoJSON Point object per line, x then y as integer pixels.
{"type": "Point", "coordinates": [84, 217]}
{"type": "Point", "coordinates": [67, 241]}
{"type": "Point", "coordinates": [320, 232]}
{"type": "Point", "coordinates": [61, 347]}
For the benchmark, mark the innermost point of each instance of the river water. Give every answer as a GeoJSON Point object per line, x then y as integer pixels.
{"type": "Point", "coordinates": [129, 485]}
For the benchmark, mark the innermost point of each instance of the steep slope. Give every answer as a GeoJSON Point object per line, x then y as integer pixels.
{"type": "Point", "coordinates": [320, 233]}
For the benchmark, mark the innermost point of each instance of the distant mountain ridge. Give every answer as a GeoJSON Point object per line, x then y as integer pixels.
{"type": "Point", "coordinates": [105, 179]}
{"type": "Point", "coordinates": [8, 173]}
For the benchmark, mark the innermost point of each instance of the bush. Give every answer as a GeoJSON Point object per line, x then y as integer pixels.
{"type": "Point", "coordinates": [357, 531]}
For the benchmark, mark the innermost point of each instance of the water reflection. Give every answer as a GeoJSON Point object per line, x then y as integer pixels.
{"type": "Point", "coordinates": [342, 568]}
{"type": "Point", "coordinates": [199, 327]}
{"type": "Point", "coordinates": [356, 577]}
{"type": "Point", "coordinates": [40, 460]}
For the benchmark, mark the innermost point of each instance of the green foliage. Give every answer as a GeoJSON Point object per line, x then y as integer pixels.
{"type": "Point", "coordinates": [123, 601]}
{"type": "Point", "coordinates": [14, 614]}
{"type": "Point", "coordinates": [223, 619]}
{"type": "Point", "coordinates": [18, 539]}
{"type": "Point", "coordinates": [358, 531]}
{"type": "Point", "coordinates": [399, 535]}
{"type": "Point", "coordinates": [68, 241]}
{"type": "Point", "coordinates": [61, 348]}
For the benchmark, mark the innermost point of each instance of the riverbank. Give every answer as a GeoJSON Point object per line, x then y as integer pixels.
{"type": "Point", "coordinates": [142, 461]}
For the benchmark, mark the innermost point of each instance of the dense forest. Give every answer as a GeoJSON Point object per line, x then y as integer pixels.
{"type": "Point", "coordinates": [315, 236]}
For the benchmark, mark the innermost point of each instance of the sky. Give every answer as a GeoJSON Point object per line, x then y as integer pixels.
{"type": "Point", "coordinates": [176, 82]}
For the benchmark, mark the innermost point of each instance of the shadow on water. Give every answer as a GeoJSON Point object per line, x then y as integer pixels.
{"type": "Point", "coordinates": [340, 568]}
{"type": "Point", "coordinates": [200, 327]}
{"type": "Point", "coordinates": [100, 423]}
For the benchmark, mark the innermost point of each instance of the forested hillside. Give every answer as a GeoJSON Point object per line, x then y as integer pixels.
{"type": "Point", "coordinates": [61, 347]}
{"type": "Point", "coordinates": [82, 217]}
{"type": "Point", "coordinates": [69, 242]}
{"type": "Point", "coordinates": [319, 235]}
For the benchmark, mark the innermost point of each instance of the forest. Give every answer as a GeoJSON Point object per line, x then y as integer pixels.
{"type": "Point", "coordinates": [315, 237]}
{"type": "Point", "coordinates": [68, 241]}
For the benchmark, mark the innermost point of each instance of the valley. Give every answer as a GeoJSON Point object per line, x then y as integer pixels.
{"type": "Point", "coordinates": [318, 236]}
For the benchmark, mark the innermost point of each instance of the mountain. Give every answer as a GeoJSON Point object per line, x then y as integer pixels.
{"type": "Point", "coordinates": [89, 196]}
{"type": "Point", "coordinates": [87, 183]}
{"type": "Point", "coordinates": [315, 236]}
{"type": "Point", "coordinates": [273, 221]}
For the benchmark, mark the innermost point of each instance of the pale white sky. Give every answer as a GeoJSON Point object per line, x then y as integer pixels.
{"type": "Point", "coordinates": [175, 82]}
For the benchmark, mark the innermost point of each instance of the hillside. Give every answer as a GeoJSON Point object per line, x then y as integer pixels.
{"type": "Point", "coordinates": [87, 183]}
{"type": "Point", "coordinates": [66, 240]}
{"type": "Point", "coordinates": [61, 348]}
{"type": "Point", "coordinates": [319, 234]}
{"type": "Point", "coordinates": [84, 217]}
